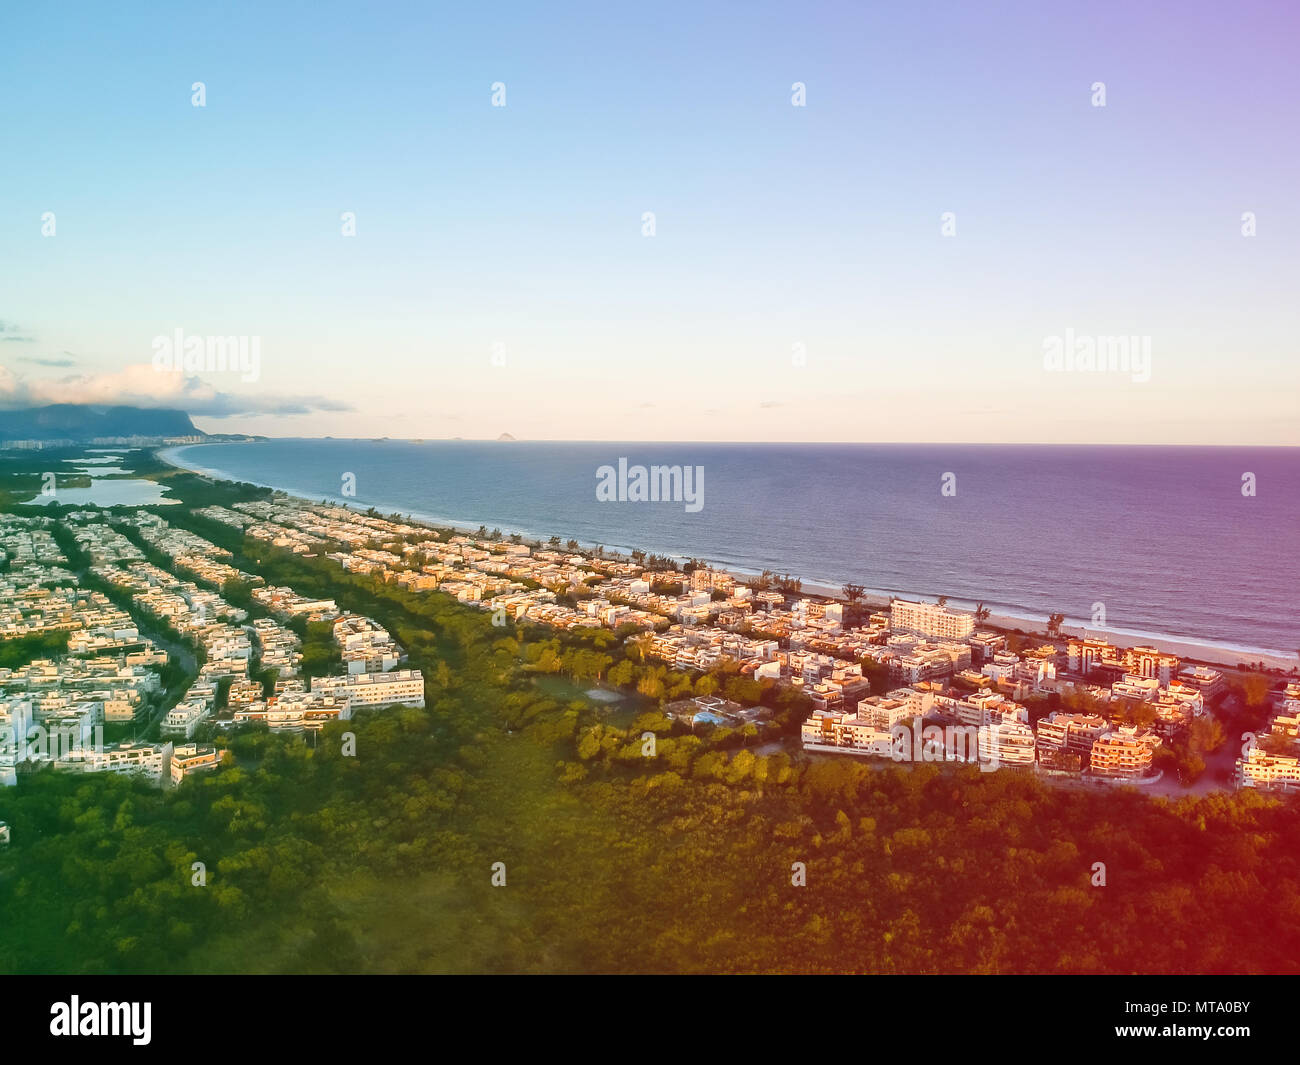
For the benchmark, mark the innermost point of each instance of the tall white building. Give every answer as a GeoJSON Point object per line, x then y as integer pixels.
{"type": "Point", "coordinates": [930, 619]}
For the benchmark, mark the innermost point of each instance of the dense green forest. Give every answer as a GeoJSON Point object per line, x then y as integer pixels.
{"type": "Point", "coordinates": [614, 860]}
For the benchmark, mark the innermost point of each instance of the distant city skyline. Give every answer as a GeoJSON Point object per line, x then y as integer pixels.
{"type": "Point", "coordinates": [901, 258]}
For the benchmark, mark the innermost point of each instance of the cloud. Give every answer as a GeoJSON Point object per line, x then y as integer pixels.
{"type": "Point", "coordinates": [47, 362]}
{"type": "Point", "coordinates": [11, 337]}
{"type": "Point", "coordinates": [143, 386]}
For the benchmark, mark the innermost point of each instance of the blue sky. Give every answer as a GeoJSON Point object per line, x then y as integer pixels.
{"type": "Point", "coordinates": [776, 225]}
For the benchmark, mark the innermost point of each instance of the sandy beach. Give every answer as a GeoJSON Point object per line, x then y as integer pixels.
{"type": "Point", "coordinates": [1190, 650]}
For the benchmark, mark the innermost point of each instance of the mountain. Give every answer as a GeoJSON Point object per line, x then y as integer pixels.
{"type": "Point", "coordinates": [79, 422]}
{"type": "Point", "coordinates": [505, 436]}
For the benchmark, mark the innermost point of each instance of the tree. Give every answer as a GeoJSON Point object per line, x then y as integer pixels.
{"type": "Point", "coordinates": [1255, 689]}
{"type": "Point", "coordinates": [981, 612]}
{"type": "Point", "coordinates": [1054, 623]}
{"type": "Point", "coordinates": [707, 684]}
{"type": "Point", "coordinates": [853, 612]}
{"type": "Point", "coordinates": [877, 675]}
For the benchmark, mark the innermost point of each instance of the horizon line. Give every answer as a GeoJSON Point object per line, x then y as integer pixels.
{"type": "Point", "coordinates": [743, 443]}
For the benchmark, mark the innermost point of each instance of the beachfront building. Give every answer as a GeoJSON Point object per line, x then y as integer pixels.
{"type": "Point", "coordinates": [930, 619]}
{"type": "Point", "coordinates": [984, 645]}
{"type": "Point", "coordinates": [1083, 656]}
{"type": "Point", "coordinates": [1209, 682]}
{"type": "Point", "coordinates": [1124, 752]}
{"type": "Point", "coordinates": [711, 580]}
{"type": "Point", "coordinates": [1152, 662]}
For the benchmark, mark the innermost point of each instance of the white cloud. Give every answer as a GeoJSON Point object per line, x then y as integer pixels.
{"type": "Point", "coordinates": [141, 385]}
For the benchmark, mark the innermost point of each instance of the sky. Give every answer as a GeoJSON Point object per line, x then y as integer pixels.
{"type": "Point", "coordinates": [891, 261]}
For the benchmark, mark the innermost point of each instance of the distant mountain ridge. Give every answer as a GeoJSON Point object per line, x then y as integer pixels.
{"type": "Point", "coordinates": [81, 422]}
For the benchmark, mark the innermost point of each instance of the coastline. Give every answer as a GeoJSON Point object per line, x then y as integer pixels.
{"type": "Point", "coordinates": [1191, 650]}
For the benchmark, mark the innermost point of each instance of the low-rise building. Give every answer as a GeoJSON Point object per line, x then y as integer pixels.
{"type": "Point", "coordinates": [405, 686]}
{"type": "Point", "coordinates": [190, 758]}
{"type": "Point", "coordinates": [1124, 752]}
{"type": "Point", "coordinates": [1270, 772]}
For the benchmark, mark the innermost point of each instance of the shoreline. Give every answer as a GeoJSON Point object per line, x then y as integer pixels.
{"type": "Point", "coordinates": [1191, 650]}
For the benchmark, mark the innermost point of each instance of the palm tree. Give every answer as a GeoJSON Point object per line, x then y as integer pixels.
{"type": "Point", "coordinates": [981, 612]}
{"type": "Point", "coordinates": [1054, 623]}
{"type": "Point", "coordinates": [853, 614]}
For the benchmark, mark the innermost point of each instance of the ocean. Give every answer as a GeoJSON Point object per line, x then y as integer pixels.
{"type": "Point", "coordinates": [1166, 539]}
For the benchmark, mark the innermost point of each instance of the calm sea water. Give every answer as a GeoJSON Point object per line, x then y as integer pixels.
{"type": "Point", "coordinates": [1163, 536]}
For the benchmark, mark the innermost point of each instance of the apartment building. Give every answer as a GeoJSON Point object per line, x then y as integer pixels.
{"type": "Point", "coordinates": [405, 686]}
{"type": "Point", "coordinates": [1124, 752]}
{"type": "Point", "coordinates": [984, 645]}
{"type": "Point", "coordinates": [297, 711]}
{"type": "Point", "coordinates": [1061, 735]}
{"type": "Point", "coordinates": [930, 619]}
{"type": "Point", "coordinates": [1135, 686]}
{"type": "Point", "coordinates": [711, 580]}
{"type": "Point", "coordinates": [1269, 772]}
{"type": "Point", "coordinates": [1152, 662]}
{"type": "Point", "coordinates": [1007, 743]}
{"type": "Point", "coordinates": [836, 730]}
{"type": "Point", "coordinates": [883, 712]}
{"type": "Point", "coordinates": [149, 760]}
{"type": "Point", "coordinates": [184, 718]}
{"type": "Point", "coordinates": [1083, 656]}
{"type": "Point", "coordinates": [919, 700]}
{"type": "Point", "coordinates": [982, 708]}
{"type": "Point", "coordinates": [1209, 682]}
{"type": "Point", "coordinates": [190, 758]}
{"type": "Point", "coordinates": [924, 662]}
